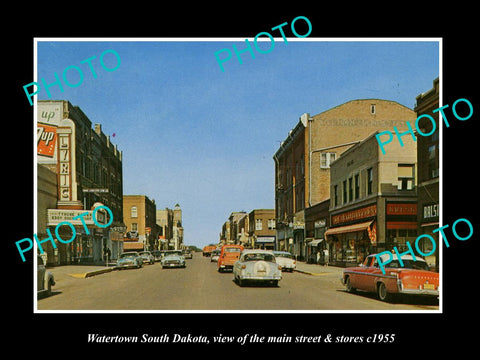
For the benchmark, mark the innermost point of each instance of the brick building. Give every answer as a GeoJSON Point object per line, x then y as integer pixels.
{"type": "Point", "coordinates": [373, 203]}
{"type": "Point", "coordinates": [88, 168]}
{"type": "Point", "coordinates": [302, 163]}
{"type": "Point", "coordinates": [139, 215]}
{"type": "Point", "coordinates": [261, 230]}
{"type": "Point", "coordinates": [428, 154]}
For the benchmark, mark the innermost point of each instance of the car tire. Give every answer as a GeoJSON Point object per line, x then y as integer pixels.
{"type": "Point", "coordinates": [382, 292]}
{"type": "Point", "coordinates": [349, 286]}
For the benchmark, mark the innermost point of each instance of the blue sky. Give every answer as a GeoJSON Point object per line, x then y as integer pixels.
{"type": "Point", "coordinates": [194, 135]}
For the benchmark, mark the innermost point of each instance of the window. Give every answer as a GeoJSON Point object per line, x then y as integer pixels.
{"type": "Point", "coordinates": [335, 195]}
{"type": "Point", "coordinates": [345, 191]}
{"type": "Point", "coordinates": [350, 189]}
{"type": "Point", "coordinates": [369, 181]}
{"type": "Point", "coordinates": [405, 177]}
{"type": "Point", "coordinates": [258, 224]}
{"type": "Point", "coordinates": [271, 224]}
{"type": "Point", "coordinates": [432, 162]}
{"type": "Point", "coordinates": [372, 109]}
{"type": "Point", "coordinates": [133, 212]}
{"type": "Point", "coordinates": [134, 227]}
{"type": "Point", "coordinates": [326, 159]}
{"type": "Point", "coordinates": [357, 187]}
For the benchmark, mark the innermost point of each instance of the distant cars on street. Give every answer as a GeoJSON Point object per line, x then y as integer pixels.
{"type": "Point", "coordinates": [173, 258]}
{"type": "Point", "coordinates": [147, 257]}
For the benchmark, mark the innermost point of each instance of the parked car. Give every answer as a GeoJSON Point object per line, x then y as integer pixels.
{"type": "Point", "coordinates": [147, 257]}
{"type": "Point", "coordinates": [285, 260]}
{"type": "Point", "coordinates": [173, 258]}
{"type": "Point", "coordinates": [228, 255]}
{"type": "Point", "coordinates": [129, 260]}
{"type": "Point", "coordinates": [413, 278]}
{"type": "Point", "coordinates": [187, 254]}
{"type": "Point", "coordinates": [215, 255]}
{"type": "Point", "coordinates": [45, 279]}
{"type": "Point", "coordinates": [157, 255]}
{"type": "Point", "coordinates": [257, 265]}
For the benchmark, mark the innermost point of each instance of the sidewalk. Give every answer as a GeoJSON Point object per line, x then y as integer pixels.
{"type": "Point", "coordinates": [80, 271]}
{"type": "Point", "coordinates": [317, 269]}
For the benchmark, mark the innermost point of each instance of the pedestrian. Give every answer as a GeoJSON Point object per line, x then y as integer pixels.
{"type": "Point", "coordinates": [325, 256]}
{"type": "Point", "coordinates": [318, 256]}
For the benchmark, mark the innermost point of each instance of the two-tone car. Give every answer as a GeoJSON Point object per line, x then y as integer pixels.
{"type": "Point", "coordinates": [129, 259]}
{"type": "Point", "coordinates": [147, 257]}
{"type": "Point", "coordinates": [413, 278]}
{"type": "Point", "coordinates": [45, 279]}
{"type": "Point", "coordinates": [173, 258]}
{"type": "Point", "coordinates": [285, 260]}
{"type": "Point", "coordinates": [257, 266]}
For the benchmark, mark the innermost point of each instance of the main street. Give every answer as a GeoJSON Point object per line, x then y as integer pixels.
{"type": "Point", "coordinates": [200, 287]}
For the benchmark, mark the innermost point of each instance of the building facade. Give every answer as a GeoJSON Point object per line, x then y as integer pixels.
{"type": "Point", "coordinates": [261, 230]}
{"type": "Point", "coordinates": [373, 203]}
{"type": "Point", "coordinates": [88, 168]}
{"type": "Point", "coordinates": [302, 163]}
{"type": "Point", "coordinates": [428, 154]}
{"type": "Point", "coordinates": [139, 215]}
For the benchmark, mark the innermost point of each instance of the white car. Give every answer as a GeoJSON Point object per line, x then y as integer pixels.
{"type": "Point", "coordinates": [215, 255]}
{"type": "Point", "coordinates": [257, 265]}
{"type": "Point", "coordinates": [45, 279]}
{"type": "Point", "coordinates": [285, 260]}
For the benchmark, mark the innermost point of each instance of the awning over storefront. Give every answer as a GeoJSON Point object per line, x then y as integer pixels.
{"type": "Point", "coordinates": [315, 242]}
{"type": "Point", "coordinates": [349, 228]}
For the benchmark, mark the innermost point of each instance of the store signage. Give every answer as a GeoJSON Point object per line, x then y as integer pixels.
{"type": "Point", "coordinates": [430, 211]}
{"type": "Point", "coordinates": [46, 140]}
{"type": "Point", "coordinates": [354, 215]}
{"type": "Point", "coordinates": [401, 209]}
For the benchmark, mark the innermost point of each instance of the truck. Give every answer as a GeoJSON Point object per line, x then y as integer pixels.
{"type": "Point", "coordinates": [229, 254]}
{"type": "Point", "coordinates": [207, 250]}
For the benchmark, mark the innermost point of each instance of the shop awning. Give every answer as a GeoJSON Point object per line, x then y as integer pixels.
{"type": "Point", "coordinates": [348, 228]}
{"type": "Point", "coordinates": [315, 242]}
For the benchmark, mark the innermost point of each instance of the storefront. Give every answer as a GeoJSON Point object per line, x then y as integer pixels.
{"type": "Point", "coordinates": [353, 236]}
{"type": "Point", "coordinates": [85, 243]}
{"type": "Point", "coordinates": [428, 222]}
{"type": "Point", "coordinates": [265, 242]}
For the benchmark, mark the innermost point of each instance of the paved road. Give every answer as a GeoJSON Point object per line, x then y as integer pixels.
{"type": "Point", "coordinates": [200, 287]}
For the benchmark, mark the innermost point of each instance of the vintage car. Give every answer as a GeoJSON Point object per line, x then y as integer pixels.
{"type": "Point", "coordinates": [257, 265]}
{"type": "Point", "coordinates": [215, 255]}
{"type": "Point", "coordinates": [187, 254]}
{"type": "Point", "coordinates": [129, 260]}
{"type": "Point", "coordinates": [414, 277]}
{"type": "Point", "coordinates": [147, 257]}
{"type": "Point", "coordinates": [157, 255]}
{"type": "Point", "coordinates": [285, 260]}
{"type": "Point", "coordinates": [45, 279]}
{"type": "Point", "coordinates": [228, 255]}
{"type": "Point", "coordinates": [173, 258]}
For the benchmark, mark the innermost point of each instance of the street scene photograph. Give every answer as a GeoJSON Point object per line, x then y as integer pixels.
{"type": "Point", "coordinates": [278, 173]}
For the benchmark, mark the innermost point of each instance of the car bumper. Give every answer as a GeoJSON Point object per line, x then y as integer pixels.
{"type": "Point", "coordinates": [260, 278]}
{"type": "Point", "coordinates": [173, 265]}
{"type": "Point", "coordinates": [424, 292]}
{"type": "Point", "coordinates": [126, 266]}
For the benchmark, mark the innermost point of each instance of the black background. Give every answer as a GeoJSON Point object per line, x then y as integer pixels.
{"type": "Point", "coordinates": [415, 334]}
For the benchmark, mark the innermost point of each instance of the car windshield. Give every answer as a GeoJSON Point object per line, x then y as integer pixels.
{"type": "Point", "coordinates": [232, 250]}
{"type": "Point", "coordinates": [259, 256]}
{"type": "Point", "coordinates": [283, 254]}
{"type": "Point", "coordinates": [408, 264]}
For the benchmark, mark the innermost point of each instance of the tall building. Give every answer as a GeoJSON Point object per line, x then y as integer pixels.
{"type": "Point", "coordinates": [429, 171]}
{"type": "Point", "coordinates": [169, 222]}
{"type": "Point", "coordinates": [88, 167]}
{"type": "Point", "coordinates": [139, 215]}
{"type": "Point", "coordinates": [302, 162]}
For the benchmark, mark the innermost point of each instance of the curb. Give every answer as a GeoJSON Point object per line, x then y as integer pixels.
{"type": "Point", "coordinates": [92, 273]}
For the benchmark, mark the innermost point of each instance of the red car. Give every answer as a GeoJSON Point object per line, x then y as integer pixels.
{"type": "Point", "coordinates": [228, 255]}
{"type": "Point", "coordinates": [414, 277]}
